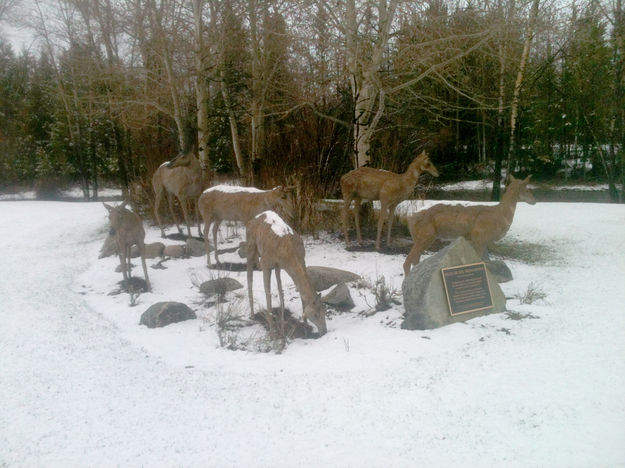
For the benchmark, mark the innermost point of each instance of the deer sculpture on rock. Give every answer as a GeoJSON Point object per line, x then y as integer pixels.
{"type": "Point", "coordinates": [234, 203]}
{"type": "Point", "coordinates": [127, 227]}
{"type": "Point", "coordinates": [377, 184]}
{"type": "Point", "coordinates": [481, 225]}
{"type": "Point", "coordinates": [181, 177]}
{"type": "Point", "coordinates": [279, 247]}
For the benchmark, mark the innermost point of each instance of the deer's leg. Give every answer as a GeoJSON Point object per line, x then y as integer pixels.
{"type": "Point", "coordinates": [157, 203]}
{"type": "Point", "coordinates": [250, 272]}
{"type": "Point", "coordinates": [121, 252]}
{"type": "Point", "coordinates": [198, 218]}
{"type": "Point", "coordinates": [357, 202]}
{"type": "Point", "coordinates": [129, 265]}
{"type": "Point", "coordinates": [141, 246]}
{"type": "Point", "coordinates": [346, 202]}
{"type": "Point", "coordinates": [170, 201]}
{"type": "Point", "coordinates": [381, 219]}
{"type": "Point", "coordinates": [391, 215]}
{"type": "Point", "coordinates": [281, 296]}
{"type": "Point", "coordinates": [216, 224]}
{"type": "Point", "coordinates": [185, 212]}
{"type": "Point", "coordinates": [267, 284]}
{"type": "Point", "coordinates": [413, 257]}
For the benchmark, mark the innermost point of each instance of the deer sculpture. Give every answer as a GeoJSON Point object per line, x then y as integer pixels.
{"type": "Point", "coordinates": [481, 225]}
{"type": "Point", "coordinates": [377, 184]}
{"type": "Point", "coordinates": [181, 177]}
{"type": "Point", "coordinates": [279, 247]}
{"type": "Point", "coordinates": [127, 227]}
{"type": "Point", "coordinates": [234, 203]}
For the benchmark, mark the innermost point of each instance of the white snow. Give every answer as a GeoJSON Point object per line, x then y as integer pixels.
{"type": "Point", "coordinates": [233, 189]}
{"type": "Point", "coordinates": [278, 226]}
{"type": "Point", "coordinates": [82, 384]}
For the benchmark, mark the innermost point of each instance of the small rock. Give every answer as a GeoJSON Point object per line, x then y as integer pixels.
{"type": "Point", "coordinates": [153, 250]}
{"type": "Point", "coordinates": [109, 247]}
{"type": "Point", "coordinates": [499, 270]}
{"type": "Point", "coordinates": [339, 297]}
{"type": "Point", "coordinates": [195, 248]}
{"type": "Point", "coordinates": [219, 286]}
{"type": "Point", "coordinates": [175, 251]}
{"type": "Point", "coordinates": [324, 277]}
{"type": "Point", "coordinates": [165, 313]}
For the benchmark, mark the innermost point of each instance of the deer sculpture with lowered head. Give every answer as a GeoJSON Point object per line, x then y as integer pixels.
{"type": "Point", "coordinates": [181, 177]}
{"type": "Point", "coordinates": [377, 184]}
{"type": "Point", "coordinates": [127, 227]}
{"type": "Point", "coordinates": [234, 203]}
{"type": "Point", "coordinates": [481, 225]}
{"type": "Point", "coordinates": [279, 247]}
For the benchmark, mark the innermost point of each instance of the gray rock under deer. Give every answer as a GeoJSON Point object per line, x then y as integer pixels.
{"type": "Point", "coordinates": [339, 297]}
{"type": "Point", "coordinates": [219, 286]}
{"type": "Point", "coordinates": [324, 277]}
{"type": "Point", "coordinates": [165, 313]}
{"type": "Point", "coordinates": [425, 301]}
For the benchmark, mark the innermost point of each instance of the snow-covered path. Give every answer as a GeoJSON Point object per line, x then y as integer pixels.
{"type": "Point", "coordinates": [76, 392]}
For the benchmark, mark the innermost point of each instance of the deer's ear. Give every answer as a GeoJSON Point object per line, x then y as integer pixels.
{"type": "Point", "coordinates": [527, 179]}
{"type": "Point", "coordinates": [108, 207]}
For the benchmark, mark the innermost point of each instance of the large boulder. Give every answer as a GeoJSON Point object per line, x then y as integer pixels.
{"type": "Point", "coordinates": [324, 277]}
{"type": "Point", "coordinates": [219, 286]}
{"type": "Point", "coordinates": [165, 313]}
{"type": "Point", "coordinates": [425, 301]}
{"type": "Point", "coordinates": [339, 297]}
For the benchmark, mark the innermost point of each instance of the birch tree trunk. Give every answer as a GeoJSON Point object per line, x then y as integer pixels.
{"type": "Point", "coordinates": [365, 83]}
{"type": "Point", "coordinates": [514, 108]}
{"type": "Point", "coordinates": [201, 86]}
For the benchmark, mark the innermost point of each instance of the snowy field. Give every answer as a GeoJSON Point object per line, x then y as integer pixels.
{"type": "Point", "coordinates": [82, 384]}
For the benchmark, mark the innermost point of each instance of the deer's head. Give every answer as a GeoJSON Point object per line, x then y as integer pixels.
{"type": "Point", "coordinates": [116, 214]}
{"type": "Point", "coordinates": [316, 313]}
{"type": "Point", "coordinates": [283, 201]}
{"type": "Point", "coordinates": [182, 160]}
{"type": "Point", "coordinates": [423, 164]}
{"type": "Point", "coordinates": [521, 185]}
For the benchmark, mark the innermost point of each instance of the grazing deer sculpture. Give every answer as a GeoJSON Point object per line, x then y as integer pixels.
{"type": "Point", "coordinates": [181, 177]}
{"type": "Point", "coordinates": [279, 247]}
{"type": "Point", "coordinates": [481, 225]}
{"type": "Point", "coordinates": [377, 184]}
{"type": "Point", "coordinates": [127, 227]}
{"type": "Point", "coordinates": [234, 203]}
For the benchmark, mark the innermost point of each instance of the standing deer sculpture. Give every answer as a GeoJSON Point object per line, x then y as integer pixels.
{"type": "Point", "coordinates": [377, 184]}
{"type": "Point", "coordinates": [234, 203]}
{"type": "Point", "coordinates": [279, 247]}
{"type": "Point", "coordinates": [127, 227]}
{"type": "Point", "coordinates": [181, 177]}
{"type": "Point", "coordinates": [481, 225]}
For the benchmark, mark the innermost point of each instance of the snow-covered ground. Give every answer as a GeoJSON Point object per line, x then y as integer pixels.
{"type": "Point", "coordinates": [83, 384]}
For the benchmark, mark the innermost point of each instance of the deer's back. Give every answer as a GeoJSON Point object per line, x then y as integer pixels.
{"type": "Point", "coordinates": [274, 249]}
{"type": "Point", "coordinates": [234, 206]}
{"type": "Point", "coordinates": [367, 182]}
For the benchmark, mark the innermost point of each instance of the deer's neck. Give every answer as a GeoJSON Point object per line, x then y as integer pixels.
{"type": "Point", "coordinates": [409, 179]}
{"type": "Point", "coordinates": [302, 282]}
{"type": "Point", "coordinates": [507, 205]}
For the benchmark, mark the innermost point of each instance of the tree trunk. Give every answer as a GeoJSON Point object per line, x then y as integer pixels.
{"type": "Point", "coordinates": [201, 86]}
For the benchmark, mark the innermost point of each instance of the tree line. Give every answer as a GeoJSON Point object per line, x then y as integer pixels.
{"type": "Point", "coordinates": [279, 90]}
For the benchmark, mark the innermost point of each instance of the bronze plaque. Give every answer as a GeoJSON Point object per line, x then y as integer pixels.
{"type": "Point", "coordinates": [467, 288]}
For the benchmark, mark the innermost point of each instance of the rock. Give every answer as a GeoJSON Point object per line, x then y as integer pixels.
{"type": "Point", "coordinates": [339, 297]}
{"type": "Point", "coordinates": [153, 250]}
{"type": "Point", "coordinates": [165, 313]}
{"type": "Point", "coordinates": [195, 248]}
{"type": "Point", "coordinates": [425, 301]}
{"type": "Point", "coordinates": [324, 277]}
{"type": "Point", "coordinates": [175, 251]}
{"type": "Point", "coordinates": [109, 247]}
{"type": "Point", "coordinates": [242, 249]}
{"type": "Point", "coordinates": [499, 270]}
{"type": "Point", "coordinates": [219, 286]}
